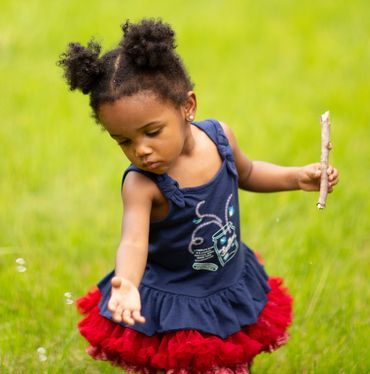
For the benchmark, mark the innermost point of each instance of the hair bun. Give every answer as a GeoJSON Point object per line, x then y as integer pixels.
{"type": "Point", "coordinates": [149, 44]}
{"type": "Point", "coordinates": [81, 65]}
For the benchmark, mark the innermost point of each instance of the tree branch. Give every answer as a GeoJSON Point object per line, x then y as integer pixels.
{"type": "Point", "coordinates": [325, 149]}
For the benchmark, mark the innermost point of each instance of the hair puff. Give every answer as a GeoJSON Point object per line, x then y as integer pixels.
{"type": "Point", "coordinates": [149, 44]}
{"type": "Point", "coordinates": [81, 65]}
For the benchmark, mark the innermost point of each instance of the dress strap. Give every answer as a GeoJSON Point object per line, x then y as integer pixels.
{"type": "Point", "coordinates": [167, 185]}
{"type": "Point", "coordinates": [215, 131]}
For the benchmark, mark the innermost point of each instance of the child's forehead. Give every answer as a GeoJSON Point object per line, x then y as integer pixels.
{"type": "Point", "coordinates": [140, 103]}
{"type": "Point", "coordinates": [138, 109]}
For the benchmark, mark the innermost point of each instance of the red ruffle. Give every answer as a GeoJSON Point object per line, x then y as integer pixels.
{"type": "Point", "coordinates": [186, 351]}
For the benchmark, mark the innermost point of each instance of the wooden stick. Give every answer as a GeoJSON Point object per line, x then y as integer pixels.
{"type": "Point", "coordinates": [325, 149]}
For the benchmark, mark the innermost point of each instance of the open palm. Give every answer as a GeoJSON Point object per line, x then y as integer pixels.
{"type": "Point", "coordinates": [125, 302]}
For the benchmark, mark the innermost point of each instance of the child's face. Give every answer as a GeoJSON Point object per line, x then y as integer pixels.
{"type": "Point", "coordinates": [152, 133]}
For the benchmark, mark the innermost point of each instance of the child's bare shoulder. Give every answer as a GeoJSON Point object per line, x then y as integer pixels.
{"type": "Point", "coordinates": [139, 187]}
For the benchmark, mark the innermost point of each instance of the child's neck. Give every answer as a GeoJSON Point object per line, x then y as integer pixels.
{"type": "Point", "coordinates": [198, 163]}
{"type": "Point", "coordinates": [190, 141]}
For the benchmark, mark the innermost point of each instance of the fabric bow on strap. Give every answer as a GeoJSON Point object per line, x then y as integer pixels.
{"type": "Point", "coordinates": [170, 189]}
{"type": "Point", "coordinates": [226, 151]}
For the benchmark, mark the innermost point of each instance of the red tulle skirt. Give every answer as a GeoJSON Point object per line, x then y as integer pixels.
{"type": "Point", "coordinates": [186, 351]}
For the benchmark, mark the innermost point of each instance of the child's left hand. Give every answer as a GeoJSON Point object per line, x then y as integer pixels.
{"type": "Point", "coordinates": [309, 177]}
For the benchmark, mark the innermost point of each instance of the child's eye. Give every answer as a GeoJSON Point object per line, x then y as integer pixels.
{"type": "Point", "coordinates": [124, 142]}
{"type": "Point", "coordinates": [153, 133]}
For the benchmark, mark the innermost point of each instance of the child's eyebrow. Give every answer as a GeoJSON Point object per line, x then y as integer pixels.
{"type": "Point", "coordinates": [140, 128]}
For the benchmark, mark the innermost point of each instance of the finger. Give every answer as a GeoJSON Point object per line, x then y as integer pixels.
{"type": "Point", "coordinates": [136, 315]}
{"type": "Point", "coordinates": [112, 305]}
{"type": "Point", "coordinates": [330, 170]}
{"type": "Point", "coordinates": [116, 282]}
{"type": "Point", "coordinates": [333, 183]}
{"type": "Point", "coordinates": [126, 317]}
{"type": "Point", "coordinates": [117, 315]}
{"type": "Point", "coordinates": [334, 175]}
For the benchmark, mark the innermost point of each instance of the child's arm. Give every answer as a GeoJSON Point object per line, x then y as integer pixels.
{"type": "Point", "coordinates": [137, 196]}
{"type": "Point", "coordinates": [262, 176]}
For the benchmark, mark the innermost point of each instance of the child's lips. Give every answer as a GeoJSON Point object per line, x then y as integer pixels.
{"type": "Point", "coordinates": [152, 165]}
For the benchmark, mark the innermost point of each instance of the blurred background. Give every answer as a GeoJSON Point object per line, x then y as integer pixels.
{"type": "Point", "coordinates": [269, 69]}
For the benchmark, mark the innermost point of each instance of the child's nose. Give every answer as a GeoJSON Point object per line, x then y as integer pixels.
{"type": "Point", "coordinates": [142, 150]}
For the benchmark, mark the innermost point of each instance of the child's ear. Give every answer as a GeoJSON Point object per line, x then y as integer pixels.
{"type": "Point", "coordinates": [190, 106]}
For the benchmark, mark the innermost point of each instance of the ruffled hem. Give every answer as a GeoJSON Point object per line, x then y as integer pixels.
{"type": "Point", "coordinates": [221, 313]}
{"type": "Point", "coordinates": [186, 351]}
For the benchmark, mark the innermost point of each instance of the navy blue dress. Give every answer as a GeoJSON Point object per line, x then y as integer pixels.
{"type": "Point", "coordinates": [199, 275]}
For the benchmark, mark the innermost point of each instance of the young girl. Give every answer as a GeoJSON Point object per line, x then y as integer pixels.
{"type": "Point", "coordinates": [186, 295]}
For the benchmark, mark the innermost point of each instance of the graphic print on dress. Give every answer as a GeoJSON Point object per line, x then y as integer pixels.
{"type": "Point", "coordinates": [224, 240]}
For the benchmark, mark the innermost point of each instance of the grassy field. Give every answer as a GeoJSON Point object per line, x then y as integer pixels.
{"type": "Point", "coordinates": [268, 69]}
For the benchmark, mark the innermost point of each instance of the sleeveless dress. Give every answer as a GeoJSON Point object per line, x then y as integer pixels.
{"type": "Point", "coordinates": [207, 300]}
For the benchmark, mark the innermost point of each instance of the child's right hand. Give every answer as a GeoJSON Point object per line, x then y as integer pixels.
{"type": "Point", "coordinates": [125, 302]}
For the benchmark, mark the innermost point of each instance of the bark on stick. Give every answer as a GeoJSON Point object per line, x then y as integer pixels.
{"type": "Point", "coordinates": [325, 149]}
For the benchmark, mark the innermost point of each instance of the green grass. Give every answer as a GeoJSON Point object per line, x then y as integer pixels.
{"type": "Point", "coordinates": [268, 69]}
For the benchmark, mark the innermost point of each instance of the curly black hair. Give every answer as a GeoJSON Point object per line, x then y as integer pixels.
{"type": "Point", "coordinates": [145, 59]}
